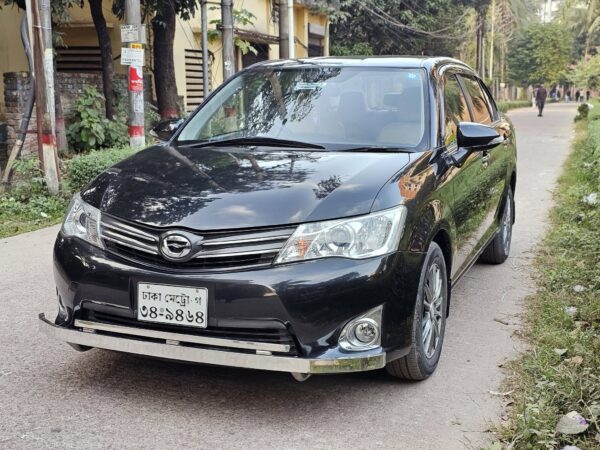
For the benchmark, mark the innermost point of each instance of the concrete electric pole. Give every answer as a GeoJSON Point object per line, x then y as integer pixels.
{"type": "Point", "coordinates": [228, 45]}
{"type": "Point", "coordinates": [284, 45]}
{"type": "Point", "coordinates": [133, 56]}
{"type": "Point", "coordinates": [204, 27]}
{"type": "Point", "coordinates": [44, 91]}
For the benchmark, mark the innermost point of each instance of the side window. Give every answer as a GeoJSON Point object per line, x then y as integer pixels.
{"type": "Point", "coordinates": [455, 108]}
{"type": "Point", "coordinates": [480, 102]}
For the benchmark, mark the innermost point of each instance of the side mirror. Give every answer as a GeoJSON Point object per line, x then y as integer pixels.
{"type": "Point", "coordinates": [166, 129]}
{"type": "Point", "coordinates": [477, 137]}
{"type": "Point", "coordinates": [474, 137]}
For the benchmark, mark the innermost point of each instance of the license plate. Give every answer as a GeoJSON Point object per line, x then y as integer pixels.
{"type": "Point", "coordinates": [173, 305]}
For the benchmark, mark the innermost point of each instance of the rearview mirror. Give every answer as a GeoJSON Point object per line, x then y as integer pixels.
{"type": "Point", "coordinates": [477, 137]}
{"type": "Point", "coordinates": [166, 129]}
{"type": "Point", "coordinates": [474, 137]}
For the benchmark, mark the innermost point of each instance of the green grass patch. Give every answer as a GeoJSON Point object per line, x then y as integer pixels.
{"type": "Point", "coordinates": [561, 370]}
{"type": "Point", "coordinates": [28, 206]}
{"type": "Point", "coordinates": [513, 104]}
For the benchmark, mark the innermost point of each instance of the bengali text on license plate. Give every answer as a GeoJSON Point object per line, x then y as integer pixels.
{"type": "Point", "coordinates": [173, 305]}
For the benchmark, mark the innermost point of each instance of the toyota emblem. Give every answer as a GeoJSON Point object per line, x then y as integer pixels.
{"type": "Point", "coordinates": [175, 246]}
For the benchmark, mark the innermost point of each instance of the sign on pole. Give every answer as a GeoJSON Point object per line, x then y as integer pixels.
{"type": "Point", "coordinates": [133, 33]}
{"type": "Point", "coordinates": [132, 56]}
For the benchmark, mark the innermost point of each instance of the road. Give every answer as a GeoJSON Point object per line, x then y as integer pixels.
{"type": "Point", "coordinates": [51, 396]}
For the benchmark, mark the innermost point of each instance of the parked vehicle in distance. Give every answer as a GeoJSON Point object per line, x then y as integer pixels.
{"type": "Point", "coordinates": [312, 216]}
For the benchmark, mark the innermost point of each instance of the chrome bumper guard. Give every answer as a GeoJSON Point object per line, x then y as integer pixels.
{"type": "Point", "coordinates": [90, 334]}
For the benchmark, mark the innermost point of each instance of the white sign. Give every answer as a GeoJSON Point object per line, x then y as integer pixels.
{"type": "Point", "coordinates": [132, 56]}
{"type": "Point", "coordinates": [133, 33]}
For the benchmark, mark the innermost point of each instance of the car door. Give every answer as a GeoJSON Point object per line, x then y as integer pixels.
{"type": "Point", "coordinates": [469, 206]}
{"type": "Point", "coordinates": [492, 184]}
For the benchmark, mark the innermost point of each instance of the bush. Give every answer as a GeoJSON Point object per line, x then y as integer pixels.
{"type": "Point", "coordinates": [513, 104]}
{"type": "Point", "coordinates": [89, 128]}
{"type": "Point", "coordinates": [84, 168]}
{"type": "Point", "coordinates": [582, 112]}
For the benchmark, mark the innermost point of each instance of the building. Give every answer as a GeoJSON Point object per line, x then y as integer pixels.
{"type": "Point", "coordinates": [549, 9]}
{"type": "Point", "coordinates": [80, 53]}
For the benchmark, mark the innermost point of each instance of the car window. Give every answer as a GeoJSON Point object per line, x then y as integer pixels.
{"type": "Point", "coordinates": [329, 106]}
{"type": "Point", "coordinates": [455, 108]}
{"type": "Point", "coordinates": [479, 101]}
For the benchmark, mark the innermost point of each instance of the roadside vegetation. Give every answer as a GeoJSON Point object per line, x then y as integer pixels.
{"type": "Point", "coordinates": [28, 205]}
{"type": "Point", "coordinates": [514, 104]}
{"type": "Point", "coordinates": [560, 373]}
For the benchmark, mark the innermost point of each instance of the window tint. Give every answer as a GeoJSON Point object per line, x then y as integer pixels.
{"type": "Point", "coordinates": [455, 109]}
{"type": "Point", "coordinates": [481, 111]}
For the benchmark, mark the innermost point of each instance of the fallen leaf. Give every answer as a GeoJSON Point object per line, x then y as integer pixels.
{"type": "Point", "coordinates": [503, 394]}
{"type": "Point", "coordinates": [572, 423]}
{"type": "Point", "coordinates": [574, 361]}
{"type": "Point", "coordinates": [571, 311]}
{"type": "Point", "coordinates": [591, 199]}
{"type": "Point", "coordinates": [579, 288]}
{"type": "Point", "coordinates": [560, 351]}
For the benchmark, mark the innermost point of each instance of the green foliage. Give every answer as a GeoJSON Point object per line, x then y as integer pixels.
{"type": "Point", "coordinates": [28, 205]}
{"type": "Point", "coordinates": [540, 54]}
{"type": "Point", "coordinates": [513, 104]}
{"type": "Point", "coordinates": [582, 112]}
{"type": "Point", "coordinates": [151, 116]}
{"type": "Point", "coordinates": [241, 17]}
{"type": "Point", "coordinates": [89, 128]}
{"type": "Point", "coordinates": [357, 49]}
{"type": "Point", "coordinates": [586, 73]}
{"type": "Point", "coordinates": [561, 370]}
{"type": "Point", "coordinates": [83, 168]}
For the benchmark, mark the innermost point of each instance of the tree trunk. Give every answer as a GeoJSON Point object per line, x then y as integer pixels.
{"type": "Point", "coordinates": [163, 27]}
{"type": "Point", "coordinates": [106, 55]}
{"type": "Point", "coordinates": [479, 65]}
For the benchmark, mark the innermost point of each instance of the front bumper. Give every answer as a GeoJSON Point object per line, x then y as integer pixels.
{"type": "Point", "coordinates": [206, 350]}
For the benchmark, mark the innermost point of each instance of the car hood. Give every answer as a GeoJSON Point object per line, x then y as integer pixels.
{"type": "Point", "coordinates": [224, 188]}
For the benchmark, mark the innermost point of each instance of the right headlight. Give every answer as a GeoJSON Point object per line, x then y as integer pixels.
{"type": "Point", "coordinates": [83, 221]}
{"type": "Point", "coordinates": [357, 237]}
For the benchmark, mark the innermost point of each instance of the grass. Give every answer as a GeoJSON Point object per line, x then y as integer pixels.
{"type": "Point", "coordinates": [513, 104]}
{"type": "Point", "coordinates": [561, 371]}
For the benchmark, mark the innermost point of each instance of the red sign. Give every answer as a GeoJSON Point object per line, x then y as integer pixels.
{"type": "Point", "coordinates": [136, 79]}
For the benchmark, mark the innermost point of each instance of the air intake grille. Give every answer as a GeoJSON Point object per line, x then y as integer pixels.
{"type": "Point", "coordinates": [218, 250]}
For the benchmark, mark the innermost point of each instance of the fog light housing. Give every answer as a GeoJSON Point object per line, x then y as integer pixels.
{"type": "Point", "coordinates": [363, 332]}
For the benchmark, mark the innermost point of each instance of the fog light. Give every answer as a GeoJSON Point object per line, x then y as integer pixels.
{"type": "Point", "coordinates": [366, 331]}
{"type": "Point", "coordinates": [363, 332]}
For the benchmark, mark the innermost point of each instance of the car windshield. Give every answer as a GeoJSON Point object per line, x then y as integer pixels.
{"type": "Point", "coordinates": [336, 107]}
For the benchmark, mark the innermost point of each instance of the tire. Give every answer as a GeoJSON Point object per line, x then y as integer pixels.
{"type": "Point", "coordinates": [422, 360]}
{"type": "Point", "coordinates": [498, 250]}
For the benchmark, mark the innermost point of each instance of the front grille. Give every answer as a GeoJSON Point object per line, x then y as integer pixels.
{"type": "Point", "coordinates": [218, 250]}
{"type": "Point", "coordinates": [263, 335]}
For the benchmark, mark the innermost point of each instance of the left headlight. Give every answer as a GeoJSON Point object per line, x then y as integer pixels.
{"type": "Point", "coordinates": [83, 221]}
{"type": "Point", "coordinates": [357, 237]}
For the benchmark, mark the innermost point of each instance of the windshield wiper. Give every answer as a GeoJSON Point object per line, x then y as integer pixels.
{"type": "Point", "coordinates": [376, 148]}
{"type": "Point", "coordinates": [256, 140]}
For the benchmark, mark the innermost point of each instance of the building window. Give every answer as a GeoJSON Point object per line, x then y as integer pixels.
{"type": "Point", "coordinates": [316, 38]}
{"type": "Point", "coordinates": [78, 59]}
{"type": "Point", "coordinates": [194, 87]}
{"type": "Point", "coordinates": [262, 54]}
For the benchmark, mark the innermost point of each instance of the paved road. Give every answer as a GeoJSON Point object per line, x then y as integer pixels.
{"type": "Point", "coordinates": [51, 396]}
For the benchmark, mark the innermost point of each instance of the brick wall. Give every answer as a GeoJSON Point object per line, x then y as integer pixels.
{"type": "Point", "coordinates": [70, 86]}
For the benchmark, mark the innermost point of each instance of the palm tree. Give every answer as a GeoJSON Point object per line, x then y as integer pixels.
{"type": "Point", "coordinates": [583, 18]}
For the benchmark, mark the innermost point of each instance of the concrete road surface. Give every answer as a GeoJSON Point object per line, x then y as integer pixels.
{"type": "Point", "coordinates": [51, 396]}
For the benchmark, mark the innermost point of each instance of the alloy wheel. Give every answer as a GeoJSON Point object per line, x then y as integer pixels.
{"type": "Point", "coordinates": [433, 298]}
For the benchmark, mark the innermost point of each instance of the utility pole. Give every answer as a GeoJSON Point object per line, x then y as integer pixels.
{"type": "Point", "coordinates": [228, 46]}
{"type": "Point", "coordinates": [204, 24]}
{"type": "Point", "coordinates": [44, 91]}
{"type": "Point", "coordinates": [491, 71]}
{"type": "Point", "coordinates": [284, 45]}
{"type": "Point", "coordinates": [133, 18]}
{"type": "Point", "coordinates": [291, 33]}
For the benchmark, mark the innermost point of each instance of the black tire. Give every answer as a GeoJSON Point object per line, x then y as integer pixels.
{"type": "Point", "coordinates": [498, 250]}
{"type": "Point", "coordinates": [420, 362]}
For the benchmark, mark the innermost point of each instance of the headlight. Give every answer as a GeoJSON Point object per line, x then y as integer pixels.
{"type": "Point", "coordinates": [357, 238]}
{"type": "Point", "coordinates": [83, 221]}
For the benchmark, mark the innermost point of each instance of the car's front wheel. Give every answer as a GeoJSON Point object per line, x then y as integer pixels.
{"type": "Point", "coordinates": [429, 322]}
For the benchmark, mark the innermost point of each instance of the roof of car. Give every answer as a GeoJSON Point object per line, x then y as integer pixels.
{"type": "Point", "coordinates": [427, 62]}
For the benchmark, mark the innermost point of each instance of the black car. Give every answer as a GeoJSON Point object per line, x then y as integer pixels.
{"type": "Point", "coordinates": [312, 216]}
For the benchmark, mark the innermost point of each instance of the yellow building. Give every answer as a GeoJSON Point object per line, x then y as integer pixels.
{"type": "Point", "coordinates": [81, 54]}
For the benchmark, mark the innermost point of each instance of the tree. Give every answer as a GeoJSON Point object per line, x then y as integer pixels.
{"type": "Point", "coordinates": [586, 73]}
{"type": "Point", "coordinates": [583, 19]}
{"type": "Point", "coordinates": [106, 56]}
{"type": "Point", "coordinates": [540, 54]}
{"type": "Point", "coordinates": [164, 15]}
{"type": "Point", "coordinates": [397, 27]}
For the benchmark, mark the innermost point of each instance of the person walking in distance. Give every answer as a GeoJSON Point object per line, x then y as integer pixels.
{"type": "Point", "coordinates": [577, 95]}
{"type": "Point", "coordinates": [540, 98]}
